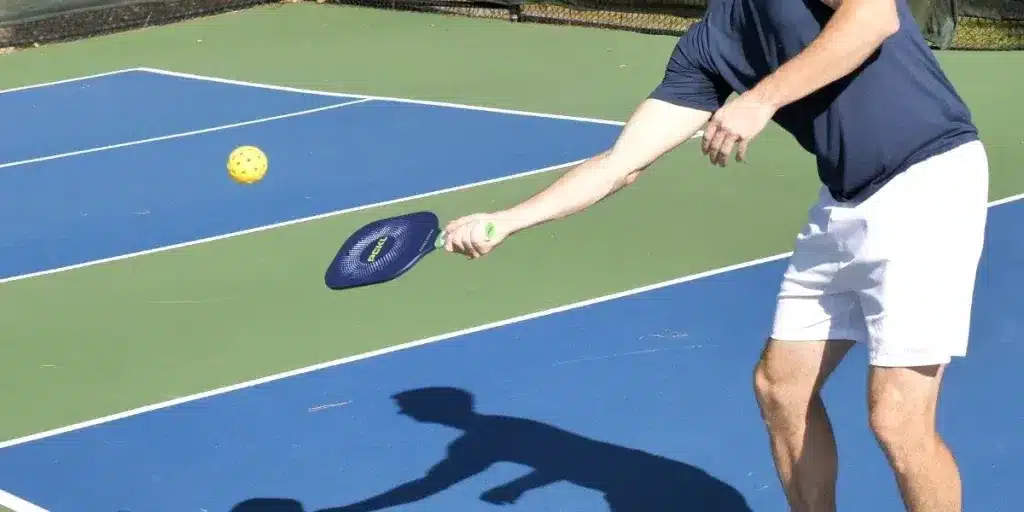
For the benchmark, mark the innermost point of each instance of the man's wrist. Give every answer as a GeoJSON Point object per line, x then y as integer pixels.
{"type": "Point", "coordinates": [512, 220]}
{"type": "Point", "coordinates": [767, 94]}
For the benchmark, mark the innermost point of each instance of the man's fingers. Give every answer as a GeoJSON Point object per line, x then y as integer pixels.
{"type": "Point", "coordinates": [728, 144]}
{"type": "Point", "coordinates": [716, 145]}
{"type": "Point", "coordinates": [741, 151]}
{"type": "Point", "coordinates": [449, 238]}
{"type": "Point", "coordinates": [481, 244]}
{"type": "Point", "coordinates": [467, 237]}
{"type": "Point", "coordinates": [455, 233]}
{"type": "Point", "coordinates": [455, 239]}
{"type": "Point", "coordinates": [709, 135]}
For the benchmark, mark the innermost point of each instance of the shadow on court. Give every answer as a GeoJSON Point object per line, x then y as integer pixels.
{"type": "Point", "coordinates": [630, 480]}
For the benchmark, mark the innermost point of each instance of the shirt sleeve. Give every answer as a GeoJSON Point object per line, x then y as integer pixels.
{"type": "Point", "coordinates": [689, 81]}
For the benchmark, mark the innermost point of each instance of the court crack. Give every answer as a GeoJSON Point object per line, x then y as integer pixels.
{"type": "Point", "coordinates": [623, 354]}
{"type": "Point", "coordinates": [328, 406]}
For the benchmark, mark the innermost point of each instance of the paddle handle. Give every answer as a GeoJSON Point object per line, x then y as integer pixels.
{"type": "Point", "coordinates": [488, 230]}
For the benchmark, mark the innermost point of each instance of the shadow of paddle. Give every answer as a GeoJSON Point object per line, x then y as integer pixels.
{"type": "Point", "coordinates": [630, 480]}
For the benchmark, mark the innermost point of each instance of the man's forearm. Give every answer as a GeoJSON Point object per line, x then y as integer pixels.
{"type": "Point", "coordinates": [654, 129]}
{"type": "Point", "coordinates": [856, 30]}
{"type": "Point", "coordinates": [575, 191]}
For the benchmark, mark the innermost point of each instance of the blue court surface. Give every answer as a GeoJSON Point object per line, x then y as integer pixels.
{"type": "Point", "coordinates": [83, 200]}
{"type": "Point", "coordinates": [640, 402]}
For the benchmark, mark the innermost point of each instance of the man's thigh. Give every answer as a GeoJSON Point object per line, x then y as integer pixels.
{"type": "Point", "coordinates": [814, 303]}
{"type": "Point", "coordinates": [817, 320]}
{"type": "Point", "coordinates": [915, 264]}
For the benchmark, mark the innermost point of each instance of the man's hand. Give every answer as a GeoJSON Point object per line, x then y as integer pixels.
{"type": "Point", "coordinates": [468, 235]}
{"type": "Point", "coordinates": [734, 126]}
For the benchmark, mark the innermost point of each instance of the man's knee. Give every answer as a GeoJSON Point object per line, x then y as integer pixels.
{"type": "Point", "coordinates": [775, 383]}
{"type": "Point", "coordinates": [767, 386]}
{"type": "Point", "coordinates": [790, 373]}
{"type": "Point", "coordinates": [902, 403]}
{"type": "Point", "coordinates": [774, 380]}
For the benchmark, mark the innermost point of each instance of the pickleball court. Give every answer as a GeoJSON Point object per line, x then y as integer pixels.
{"type": "Point", "coordinates": [637, 399]}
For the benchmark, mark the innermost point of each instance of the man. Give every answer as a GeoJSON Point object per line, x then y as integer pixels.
{"type": "Point", "coordinates": [889, 255]}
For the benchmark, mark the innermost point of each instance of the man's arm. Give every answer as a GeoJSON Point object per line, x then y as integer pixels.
{"type": "Point", "coordinates": [856, 30]}
{"type": "Point", "coordinates": [683, 102]}
{"type": "Point", "coordinates": [655, 128]}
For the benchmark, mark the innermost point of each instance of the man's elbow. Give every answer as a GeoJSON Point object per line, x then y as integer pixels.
{"type": "Point", "coordinates": [889, 25]}
{"type": "Point", "coordinates": [624, 173]}
{"type": "Point", "coordinates": [631, 177]}
{"type": "Point", "coordinates": [885, 18]}
{"type": "Point", "coordinates": [621, 165]}
{"type": "Point", "coordinates": [879, 28]}
{"type": "Point", "coordinates": [881, 16]}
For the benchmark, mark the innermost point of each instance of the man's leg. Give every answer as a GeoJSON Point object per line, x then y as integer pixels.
{"type": "Point", "coordinates": [812, 307]}
{"type": "Point", "coordinates": [788, 380]}
{"type": "Point", "coordinates": [902, 403]}
{"type": "Point", "coordinates": [918, 254]}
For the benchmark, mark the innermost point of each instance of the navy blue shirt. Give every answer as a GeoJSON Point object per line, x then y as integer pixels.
{"type": "Point", "coordinates": [895, 110]}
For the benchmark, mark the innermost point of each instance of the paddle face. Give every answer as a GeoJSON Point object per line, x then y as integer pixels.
{"type": "Point", "coordinates": [383, 250]}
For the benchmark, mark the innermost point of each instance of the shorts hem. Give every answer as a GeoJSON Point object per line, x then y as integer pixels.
{"type": "Point", "coordinates": [828, 337]}
{"type": "Point", "coordinates": [910, 361]}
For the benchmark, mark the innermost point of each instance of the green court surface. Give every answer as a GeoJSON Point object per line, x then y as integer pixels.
{"type": "Point", "coordinates": [95, 341]}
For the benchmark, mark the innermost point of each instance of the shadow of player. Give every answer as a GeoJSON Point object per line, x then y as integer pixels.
{"type": "Point", "coordinates": [269, 505]}
{"type": "Point", "coordinates": [630, 480]}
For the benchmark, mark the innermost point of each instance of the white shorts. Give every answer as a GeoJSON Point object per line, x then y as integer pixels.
{"type": "Point", "coordinates": [895, 271]}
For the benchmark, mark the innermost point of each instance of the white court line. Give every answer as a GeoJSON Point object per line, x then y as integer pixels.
{"type": "Point", "coordinates": [314, 92]}
{"type": "Point", "coordinates": [380, 98]}
{"type": "Point", "coordinates": [360, 98]}
{"type": "Point", "coordinates": [180, 135]}
{"type": "Point", "coordinates": [1008, 199]}
{"type": "Point", "coordinates": [460, 106]}
{"type": "Point", "coordinates": [67, 80]}
{"type": "Point", "coordinates": [395, 348]}
{"type": "Point", "coordinates": [12, 502]}
{"type": "Point", "coordinates": [287, 223]}
{"type": "Point", "coordinates": [411, 344]}
{"type": "Point", "coordinates": [296, 221]}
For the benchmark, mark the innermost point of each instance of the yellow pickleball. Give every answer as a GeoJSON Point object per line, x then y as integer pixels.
{"type": "Point", "coordinates": [247, 164]}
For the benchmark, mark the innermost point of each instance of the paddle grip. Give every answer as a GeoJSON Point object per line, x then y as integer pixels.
{"type": "Point", "coordinates": [488, 230]}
